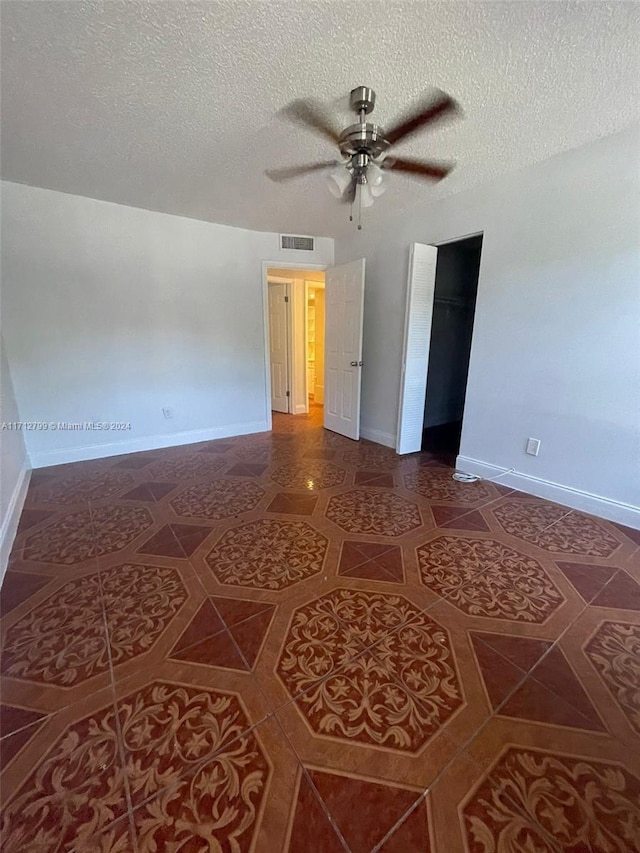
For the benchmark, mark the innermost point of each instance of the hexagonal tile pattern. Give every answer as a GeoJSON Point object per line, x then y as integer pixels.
{"type": "Point", "coordinates": [168, 730]}
{"type": "Point", "coordinates": [79, 536]}
{"type": "Point", "coordinates": [188, 467]}
{"type": "Point", "coordinates": [217, 499]}
{"type": "Point", "coordinates": [438, 486]}
{"type": "Point", "coordinates": [555, 529]}
{"type": "Point", "coordinates": [63, 640]}
{"type": "Point", "coordinates": [483, 577]}
{"type": "Point", "coordinates": [396, 697]}
{"type": "Point", "coordinates": [614, 650]}
{"type": "Point", "coordinates": [380, 513]}
{"type": "Point", "coordinates": [268, 554]}
{"type": "Point", "coordinates": [575, 802]}
{"type": "Point", "coordinates": [74, 490]}
{"type": "Point", "coordinates": [312, 474]}
{"type": "Point", "coordinates": [372, 457]}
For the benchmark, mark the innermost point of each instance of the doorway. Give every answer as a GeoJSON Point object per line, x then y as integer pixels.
{"type": "Point", "coordinates": [295, 299]}
{"type": "Point", "coordinates": [454, 302]}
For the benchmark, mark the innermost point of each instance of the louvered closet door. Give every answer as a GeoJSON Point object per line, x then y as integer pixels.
{"type": "Point", "coordinates": [415, 361]}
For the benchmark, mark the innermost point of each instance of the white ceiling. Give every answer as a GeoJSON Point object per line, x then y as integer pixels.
{"type": "Point", "coordinates": [170, 105]}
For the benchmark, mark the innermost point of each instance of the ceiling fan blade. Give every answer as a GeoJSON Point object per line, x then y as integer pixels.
{"type": "Point", "coordinates": [437, 106]}
{"type": "Point", "coordinates": [418, 168]}
{"type": "Point", "coordinates": [287, 174]}
{"type": "Point", "coordinates": [313, 116]}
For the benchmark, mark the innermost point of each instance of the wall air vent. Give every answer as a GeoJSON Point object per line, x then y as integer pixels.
{"type": "Point", "coordinates": [292, 241]}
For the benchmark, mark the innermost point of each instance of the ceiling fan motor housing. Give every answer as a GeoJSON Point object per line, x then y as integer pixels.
{"type": "Point", "coordinates": [363, 138]}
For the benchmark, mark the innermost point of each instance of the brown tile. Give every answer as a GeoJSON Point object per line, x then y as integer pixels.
{"type": "Point", "coordinates": [371, 561]}
{"type": "Point", "coordinates": [247, 469]}
{"type": "Point", "coordinates": [374, 478]}
{"type": "Point", "coordinates": [163, 543]}
{"type": "Point", "coordinates": [234, 610]}
{"type": "Point", "coordinates": [250, 634]}
{"type": "Point", "coordinates": [31, 517]}
{"type": "Point", "coordinates": [293, 504]}
{"type": "Point", "coordinates": [587, 579]}
{"type": "Point", "coordinates": [629, 532]}
{"type": "Point", "coordinates": [412, 834]}
{"type": "Point", "coordinates": [554, 672]}
{"type": "Point", "coordinates": [379, 807]}
{"type": "Point", "coordinates": [12, 719]}
{"type": "Point", "coordinates": [218, 650]}
{"type": "Point", "coordinates": [622, 592]}
{"type": "Point", "coordinates": [320, 453]}
{"type": "Point", "coordinates": [311, 828]}
{"type": "Point", "coordinates": [190, 536]}
{"type": "Point", "coordinates": [206, 623]}
{"type": "Point", "coordinates": [469, 521]}
{"type": "Point", "coordinates": [220, 446]}
{"type": "Point", "coordinates": [136, 461]}
{"type": "Point", "coordinates": [522, 652]}
{"type": "Point", "coordinates": [499, 676]}
{"type": "Point", "coordinates": [18, 587]}
{"type": "Point", "coordinates": [533, 701]}
{"type": "Point", "coordinates": [12, 744]}
{"type": "Point", "coordinates": [150, 492]}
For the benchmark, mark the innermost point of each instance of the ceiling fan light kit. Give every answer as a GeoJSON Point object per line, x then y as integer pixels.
{"type": "Point", "coordinates": [359, 177]}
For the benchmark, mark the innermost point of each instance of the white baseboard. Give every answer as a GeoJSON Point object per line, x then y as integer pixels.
{"type": "Point", "coordinates": [574, 498]}
{"type": "Point", "coordinates": [301, 409]}
{"type": "Point", "coordinates": [384, 438]}
{"type": "Point", "coordinates": [11, 519]}
{"type": "Point", "coordinates": [44, 458]}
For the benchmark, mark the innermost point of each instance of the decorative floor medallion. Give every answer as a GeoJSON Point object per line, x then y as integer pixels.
{"type": "Point", "coordinates": [438, 486]}
{"type": "Point", "coordinates": [614, 650]}
{"type": "Point", "coordinates": [396, 697]}
{"type": "Point", "coordinates": [63, 640]}
{"type": "Point", "coordinates": [380, 513]}
{"type": "Point", "coordinates": [541, 801]}
{"type": "Point", "coordinates": [483, 577]}
{"type": "Point", "coordinates": [77, 490]}
{"type": "Point", "coordinates": [555, 528]}
{"type": "Point", "coordinates": [312, 474]}
{"type": "Point", "coordinates": [268, 554]}
{"type": "Point", "coordinates": [218, 499]}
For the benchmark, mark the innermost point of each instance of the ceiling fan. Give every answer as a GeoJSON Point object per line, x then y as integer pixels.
{"type": "Point", "coordinates": [357, 178]}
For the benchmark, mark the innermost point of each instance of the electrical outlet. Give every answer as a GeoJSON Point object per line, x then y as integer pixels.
{"type": "Point", "coordinates": [167, 412]}
{"type": "Point", "coordinates": [533, 446]}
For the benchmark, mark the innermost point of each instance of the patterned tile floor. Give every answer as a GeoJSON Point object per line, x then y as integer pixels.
{"type": "Point", "coordinates": [289, 641]}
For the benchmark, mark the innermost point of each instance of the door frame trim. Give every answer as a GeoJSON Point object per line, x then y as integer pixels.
{"type": "Point", "coordinates": [278, 264]}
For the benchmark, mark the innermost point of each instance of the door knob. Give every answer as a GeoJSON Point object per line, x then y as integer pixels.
{"type": "Point", "coordinates": [354, 364]}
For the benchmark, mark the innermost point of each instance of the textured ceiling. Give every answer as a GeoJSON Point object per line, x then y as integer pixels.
{"type": "Point", "coordinates": [170, 105]}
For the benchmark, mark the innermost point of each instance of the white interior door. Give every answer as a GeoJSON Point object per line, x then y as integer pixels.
{"type": "Point", "coordinates": [344, 309]}
{"type": "Point", "coordinates": [278, 346]}
{"type": "Point", "coordinates": [417, 337]}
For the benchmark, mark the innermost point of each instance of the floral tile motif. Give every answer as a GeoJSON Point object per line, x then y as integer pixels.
{"type": "Point", "coordinates": [614, 650]}
{"type": "Point", "coordinates": [312, 474]}
{"type": "Point", "coordinates": [372, 457]}
{"type": "Point", "coordinates": [75, 490]}
{"type": "Point", "coordinates": [483, 577]}
{"type": "Point", "coordinates": [188, 467]}
{"type": "Point", "coordinates": [555, 529]}
{"type": "Point", "coordinates": [268, 554]}
{"type": "Point", "coordinates": [63, 640]}
{"type": "Point", "coordinates": [379, 513]}
{"type": "Point", "coordinates": [217, 499]}
{"type": "Point", "coordinates": [437, 485]}
{"type": "Point", "coordinates": [75, 789]}
{"type": "Point", "coordinates": [396, 697]}
{"type": "Point", "coordinates": [80, 535]}
{"type": "Point", "coordinates": [140, 602]}
{"type": "Point", "coordinates": [169, 730]}
{"type": "Point", "coordinates": [573, 802]}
